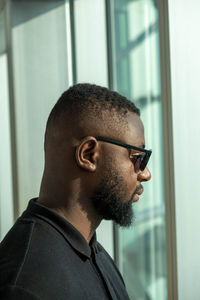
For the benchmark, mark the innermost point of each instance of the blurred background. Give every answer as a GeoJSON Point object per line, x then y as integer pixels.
{"type": "Point", "coordinates": [147, 50]}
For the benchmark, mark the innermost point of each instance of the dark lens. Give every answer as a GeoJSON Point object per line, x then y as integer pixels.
{"type": "Point", "coordinates": [144, 161]}
{"type": "Point", "coordinates": [137, 160]}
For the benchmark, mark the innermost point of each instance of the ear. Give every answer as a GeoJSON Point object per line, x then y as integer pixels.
{"type": "Point", "coordinates": [87, 154]}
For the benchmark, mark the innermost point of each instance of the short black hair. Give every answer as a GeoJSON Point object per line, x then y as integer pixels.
{"type": "Point", "coordinates": [84, 97]}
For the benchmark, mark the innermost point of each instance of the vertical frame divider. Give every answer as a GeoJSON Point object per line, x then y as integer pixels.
{"type": "Point", "coordinates": [168, 150]}
{"type": "Point", "coordinates": [12, 109]}
{"type": "Point", "coordinates": [69, 36]}
{"type": "Point", "coordinates": [73, 41]}
{"type": "Point", "coordinates": [109, 43]}
{"type": "Point", "coordinates": [109, 39]}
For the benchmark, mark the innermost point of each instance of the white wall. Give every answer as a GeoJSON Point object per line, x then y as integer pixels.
{"type": "Point", "coordinates": [184, 17]}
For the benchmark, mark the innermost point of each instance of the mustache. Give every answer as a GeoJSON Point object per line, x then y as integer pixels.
{"type": "Point", "coordinates": [138, 188]}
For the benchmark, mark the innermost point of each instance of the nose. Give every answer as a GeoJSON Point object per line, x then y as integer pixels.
{"type": "Point", "coordinates": [144, 175]}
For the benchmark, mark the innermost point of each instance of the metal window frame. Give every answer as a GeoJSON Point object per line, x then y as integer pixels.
{"type": "Point", "coordinates": [167, 124]}
{"type": "Point", "coordinates": [73, 42]}
{"type": "Point", "coordinates": [8, 4]}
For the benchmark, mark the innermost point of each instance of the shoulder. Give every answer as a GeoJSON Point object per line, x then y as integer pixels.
{"type": "Point", "coordinates": [13, 250]}
{"type": "Point", "coordinates": [16, 293]}
{"type": "Point", "coordinates": [31, 254]}
{"type": "Point", "coordinates": [29, 243]}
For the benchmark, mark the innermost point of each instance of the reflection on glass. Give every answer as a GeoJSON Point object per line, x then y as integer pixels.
{"type": "Point", "coordinates": [142, 248]}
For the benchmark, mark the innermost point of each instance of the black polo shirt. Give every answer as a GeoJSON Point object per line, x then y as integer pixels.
{"type": "Point", "coordinates": [44, 257]}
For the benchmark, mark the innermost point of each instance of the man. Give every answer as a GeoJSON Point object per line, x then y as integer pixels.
{"type": "Point", "coordinates": [91, 173]}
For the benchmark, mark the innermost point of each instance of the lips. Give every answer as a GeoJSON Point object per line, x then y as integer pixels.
{"type": "Point", "coordinates": [138, 192]}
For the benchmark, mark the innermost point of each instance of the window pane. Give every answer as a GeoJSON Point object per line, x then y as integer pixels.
{"type": "Point", "coordinates": [40, 65]}
{"type": "Point", "coordinates": [142, 248]}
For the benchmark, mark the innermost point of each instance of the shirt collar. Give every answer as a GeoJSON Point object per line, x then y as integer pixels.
{"type": "Point", "coordinates": [70, 233]}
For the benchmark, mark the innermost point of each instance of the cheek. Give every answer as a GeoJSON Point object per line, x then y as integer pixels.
{"type": "Point", "coordinates": [133, 179]}
{"type": "Point", "coordinates": [130, 176]}
{"type": "Point", "coordinates": [125, 169]}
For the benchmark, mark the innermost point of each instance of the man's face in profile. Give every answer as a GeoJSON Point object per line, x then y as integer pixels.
{"type": "Point", "coordinates": [120, 185]}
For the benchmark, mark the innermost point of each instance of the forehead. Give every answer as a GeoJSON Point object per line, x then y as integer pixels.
{"type": "Point", "coordinates": [135, 131]}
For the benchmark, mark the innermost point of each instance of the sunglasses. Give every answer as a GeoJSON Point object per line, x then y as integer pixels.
{"type": "Point", "coordinates": [139, 160]}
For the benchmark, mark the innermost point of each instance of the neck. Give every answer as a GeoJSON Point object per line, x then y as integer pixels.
{"type": "Point", "coordinates": [72, 206]}
{"type": "Point", "coordinates": [81, 220]}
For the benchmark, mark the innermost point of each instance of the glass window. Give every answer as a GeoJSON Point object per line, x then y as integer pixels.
{"type": "Point", "coordinates": [40, 73]}
{"type": "Point", "coordinates": [136, 67]}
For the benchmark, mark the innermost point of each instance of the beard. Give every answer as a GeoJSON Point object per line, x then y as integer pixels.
{"type": "Point", "coordinates": [108, 199]}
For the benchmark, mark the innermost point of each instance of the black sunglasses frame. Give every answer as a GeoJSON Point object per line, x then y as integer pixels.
{"type": "Point", "coordinates": [145, 158]}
